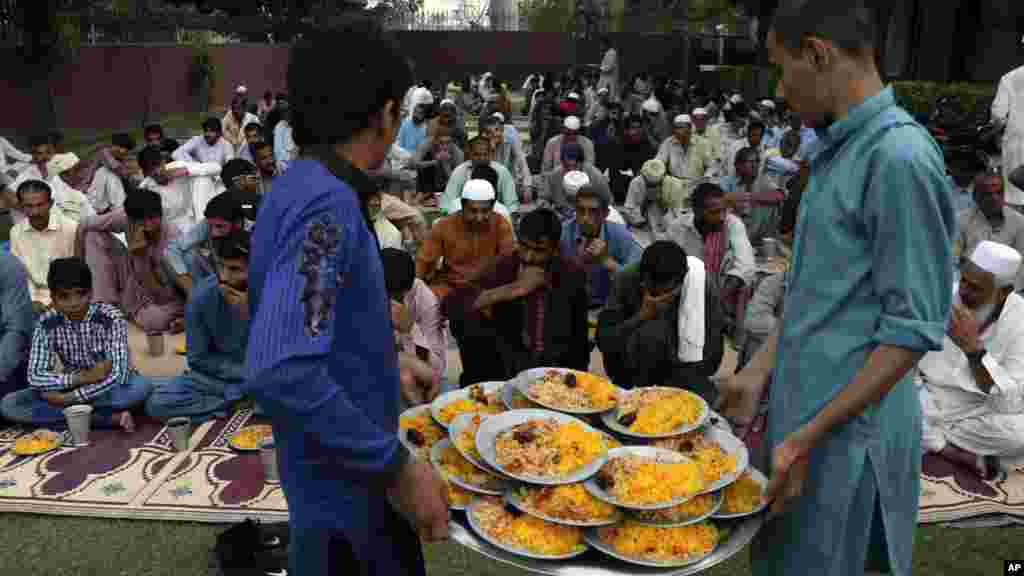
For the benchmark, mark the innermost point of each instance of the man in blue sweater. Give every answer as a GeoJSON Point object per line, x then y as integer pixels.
{"type": "Point", "coordinates": [217, 328]}
{"type": "Point", "coordinates": [322, 360]}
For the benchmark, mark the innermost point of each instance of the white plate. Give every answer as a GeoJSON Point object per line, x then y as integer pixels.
{"type": "Point", "coordinates": [435, 459]}
{"type": "Point", "coordinates": [403, 436]}
{"type": "Point", "coordinates": [760, 479]}
{"type": "Point", "coordinates": [449, 397]}
{"type": "Point", "coordinates": [471, 517]}
{"type": "Point", "coordinates": [593, 538]}
{"type": "Point", "coordinates": [456, 427]}
{"type": "Point", "coordinates": [634, 515]}
{"type": "Point", "coordinates": [513, 497]}
{"type": "Point", "coordinates": [731, 445]}
{"type": "Point", "coordinates": [488, 435]}
{"type": "Point", "coordinates": [522, 382]}
{"type": "Point", "coordinates": [508, 394]}
{"type": "Point", "coordinates": [661, 454]}
{"type": "Point", "coordinates": [611, 420]}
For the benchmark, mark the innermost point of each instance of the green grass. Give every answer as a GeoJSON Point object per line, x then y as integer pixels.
{"type": "Point", "coordinates": [82, 141]}
{"type": "Point", "coordinates": [65, 546]}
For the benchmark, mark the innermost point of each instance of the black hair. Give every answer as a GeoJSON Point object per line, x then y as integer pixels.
{"type": "Point", "coordinates": [153, 129]}
{"type": "Point", "coordinates": [253, 126]}
{"type": "Point", "coordinates": [319, 117]}
{"type": "Point", "coordinates": [34, 186]}
{"type": "Point", "coordinates": [790, 136]}
{"type": "Point", "coordinates": [234, 168]}
{"type": "Point", "coordinates": [663, 262]}
{"type": "Point", "coordinates": [268, 95]}
{"type": "Point", "coordinates": [399, 270]}
{"type": "Point", "coordinates": [169, 145]}
{"type": "Point", "coordinates": [849, 25]}
{"type": "Point", "coordinates": [633, 119]}
{"type": "Point", "coordinates": [485, 172]}
{"type": "Point", "coordinates": [143, 203]}
{"type": "Point", "coordinates": [744, 154]}
{"type": "Point", "coordinates": [123, 140]}
{"type": "Point", "coordinates": [756, 124]}
{"type": "Point", "coordinates": [150, 157]}
{"type": "Point", "coordinates": [472, 141]}
{"type": "Point", "coordinates": [540, 225]}
{"type": "Point", "coordinates": [224, 206]}
{"type": "Point", "coordinates": [257, 146]}
{"type": "Point", "coordinates": [212, 124]}
{"type": "Point", "coordinates": [39, 140]}
{"type": "Point", "coordinates": [56, 137]}
{"type": "Point", "coordinates": [69, 274]}
{"type": "Point", "coordinates": [234, 246]}
{"type": "Point", "coordinates": [594, 191]}
{"type": "Point", "coordinates": [703, 192]}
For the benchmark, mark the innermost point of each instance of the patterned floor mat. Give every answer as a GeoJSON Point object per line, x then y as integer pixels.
{"type": "Point", "coordinates": [952, 494]}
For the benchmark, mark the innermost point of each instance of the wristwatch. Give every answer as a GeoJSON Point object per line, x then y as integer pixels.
{"type": "Point", "coordinates": [975, 357]}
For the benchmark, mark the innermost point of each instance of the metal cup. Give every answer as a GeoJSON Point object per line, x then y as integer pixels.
{"type": "Point", "coordinates": [268, 456]}
{"type": "Point", "coordinates": [155, 344]}
{"type": "Point", "coordinates": [180, 429]}
{"type": "Point", "coordinates": [79, 419]}
{"type": "Point", "coordinates": [769, 248]}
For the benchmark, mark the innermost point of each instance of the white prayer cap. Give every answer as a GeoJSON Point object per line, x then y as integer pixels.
{"type": "Point", "coordinates": [572, 123]}
{"type": "Point", "coordinates": [61, 163]}
{"type": "Point", "coordinates": [573, 181]}
{"type": "Point", "coordinates": [447, 102]}
{"type": "Point", "coordinates": [768, 104]}
{"type": "Point", "coordinates": [422, 96]}
{"type": "Point", "coordinates": [478, 191]}
{"type": "Point", "coordinates": [651, 105]}
{"type": "Point", "coordinates": [736, 99]}
{"type": "Point", "coordinates": [998, 259]}
{"type": "Point", "coordinates": [602, 90]}
{"type": "Point", "coordinates": [727, 107]}
{"type": "Point", "coordinates": [682, 120]}
{"type": "Point", "coordinates": [573, 96]}
{"type": "Point", "coordinates": [499, 116]}
{"type": "Point", "coordinates": [700, 112]}
{"type": "Point", "coordinates": [241, 89]}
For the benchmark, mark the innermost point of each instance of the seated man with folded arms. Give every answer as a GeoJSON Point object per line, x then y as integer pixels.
{"type": "Point", "coordinates": [134, 276]}
{"type": "Point", "coordinates": [419, 327]}
{"type": "Point", "coordinates": [462, 246]}
{"type": "Point", "coordinates": [528, 310]}
{"type": "Point", "coordinates": [16, 323]}
{"type": "Point", "coordinates": [972, 391]}
{"type": "Point", "coordinates": [253, 135]}
{"type": "Point", "coordinates": [193, 256]}
{"type": "Point", "coordinates": [217, 331]}
{"type": "Point", "coordinates": [79, 355]}
{"type": "Point", "coordinates": [184, 187]}
{"type": "Point", "coordinates": [662, 325]}
{"type": "Point", "coordinates": [44, 236]}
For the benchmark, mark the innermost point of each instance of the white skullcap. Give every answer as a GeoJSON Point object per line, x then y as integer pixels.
{"type": "Point", "coordinates": [736, 99]}
{"type": "Point", "coordinates": [241, 89]}
{"type": "Point", "coordinates": [572, 123]}
{"type": "Point", "coordinates": [478, 191]}
{"type": "Point", "coordinates": [422, 96]}
{"type": "Point", "coordinates": [447, 102]}
{"type": "Point", "coordinates": [603, 90]}
{"type": "Point", "coordinates": [573, 96]}
{"type": "Point", "coordinates": [1000, 260]}
{"type": "Point", "coordinates": [573, 181]}
{"type": "Point", "coordinates": [700, 112]}
{"type": "Point", "coordinates": [768, 104]}
{"type": "Point", "coordinates": [499, 116]}
{"type": "Point", "coordinates": [651, 105]}
{"type": "Point", "coordinates": [61, 163]}
{"type": "Point", "coordinates": [727, 107]}
{"type": "Point", "coordinates": [682, 120]}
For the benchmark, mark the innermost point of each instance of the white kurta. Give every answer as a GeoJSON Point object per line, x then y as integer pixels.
{"type": "Point", "coordinates": [184, 199]}
{"type": "Point", "coordinates": [1008, 108]}
{"type": "Point", "coordinates": [956, 411]}
{"type": "Point", "coordinates": [610, 74]}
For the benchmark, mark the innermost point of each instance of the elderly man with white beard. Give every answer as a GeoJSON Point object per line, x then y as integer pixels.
{"type": "Point", "coordinates": [972, 392]}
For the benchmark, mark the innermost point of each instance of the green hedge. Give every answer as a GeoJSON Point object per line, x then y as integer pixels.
{"type": "Point", "coordinates": [919, 97]}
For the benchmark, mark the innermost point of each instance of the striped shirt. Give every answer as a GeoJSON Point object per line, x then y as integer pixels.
{"type": "Point", "coordinates": [79, 345]}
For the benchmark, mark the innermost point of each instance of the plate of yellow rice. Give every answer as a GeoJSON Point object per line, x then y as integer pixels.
{"type": "Point", "coordinates": [656, 546]}
{"type": "Point", "coordinates": [657, 412]}
{"type": "Point", "coordinates": [569, 391]}
{"type": "Point", "coordinates": [720, 456]}
{"type": "Point", "coordinates": [541, 446]}
{"type": "Point", "coordinates": [418, 431]}
{"type": "Point", "coordinates": [461, 472]}
{"type": "Point", "coordinates": [745, 496]}
{"type": "Point", "coordinates": [458, 498]}
{"type": "Point", "coordinates": [692, 511]}
{"type": "Point", "coordinates": [38, 442]}
{"type": "Point", "coordinates": [646, 478]}
{"type": "Point", "coordinates": [523, 534]}
{"type": "Point", "coordinates": [462, 432]}
{"type": "Point", "coordinates": [484, 398]}
{"type": "Point", "coordinates": [564, 504]}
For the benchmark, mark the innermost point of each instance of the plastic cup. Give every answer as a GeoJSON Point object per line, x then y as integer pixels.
{"type": "Point", "coordinates": [155, 344]}
{"type": "Point", "coordinates": [79, 419]}
{"type": "Point", "coordinates": [268, 456]}
{"type": "Point", "coordinates": [180, 429]}
{"type": "Point", "coordinates": [770, 248]}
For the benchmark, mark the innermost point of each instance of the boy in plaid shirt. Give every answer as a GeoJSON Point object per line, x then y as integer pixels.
{"type": "Point", "coordinates": [79, 355]}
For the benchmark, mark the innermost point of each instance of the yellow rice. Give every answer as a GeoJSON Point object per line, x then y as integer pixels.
{"type": "Point", "coordinates": [466, 439]}
{"type": "Point", "coordinates": [697, 506]}
{"type": "Point", "coordinates": [644, 481]}
{"type": "Point", "coordinates": [568, 502]}
{"type": "Point", "coordinates": [743, 495]}
{"type": "Point", "coordinates": [464, 405]}
{"type": "Point", "coordinates": [667, 413]}
{"type": "Point", "coordinates": [425, 425]}
{"type": "Point", "coordinates": [714, 462]}
{"type": "Point", "coordinates": [525, 531]}
{"type": "Point", "coordinates": [659, 543]}
{"type": "Point", "coordinates": [453, 464]}
{"type": "Point", "coordinates": [457, 497]}
{"type": "Point", "coordinates": [556, 450]}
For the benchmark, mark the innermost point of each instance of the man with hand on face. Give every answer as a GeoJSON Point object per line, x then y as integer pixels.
{"type": "Point", "coordinates": [217, 328]}
{"type": "Point", "coordinates": [529, 309]}
{"type": "Point", "coordinates": [972, 391]}
{"type": "Point", "coordinates": [662, 325]}
{"type": "Point", "coordinates": [991, 219]}
{"type": "Point", "coordinates": [420, 328]}
{"type": "Point", "coordinates": [193, 256]}
{"type": "Point", "coordinates": [868, 295]}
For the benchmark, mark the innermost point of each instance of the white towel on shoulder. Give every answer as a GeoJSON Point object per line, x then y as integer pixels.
{"type": "Point", "coordinates": [691, 312]}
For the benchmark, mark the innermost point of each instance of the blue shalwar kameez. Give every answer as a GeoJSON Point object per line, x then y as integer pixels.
{"type": "Point", "coordinates": [870, 267]}
{"type": "Point", "coordinates": [322, 363]}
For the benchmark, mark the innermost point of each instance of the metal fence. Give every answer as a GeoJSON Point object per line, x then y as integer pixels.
{"type": "Point", "coordinates": [469, 18]}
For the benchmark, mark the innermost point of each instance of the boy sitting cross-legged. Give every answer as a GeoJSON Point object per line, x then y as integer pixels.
{"type": "Point", "coordinates": [79, 355]}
